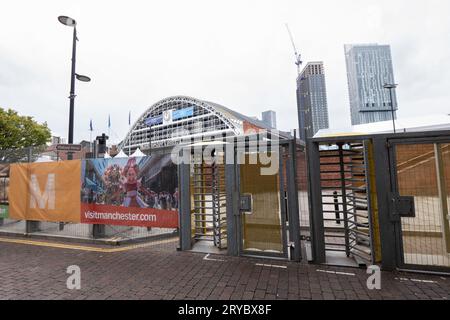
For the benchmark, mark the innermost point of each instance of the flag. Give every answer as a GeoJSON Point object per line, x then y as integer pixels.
{"type": "Point", "coordinates": [109, 121]}
{"type": "Point", "coordinates": [90, 126]}
{"type": "Point", "coordinates": [129, 118]}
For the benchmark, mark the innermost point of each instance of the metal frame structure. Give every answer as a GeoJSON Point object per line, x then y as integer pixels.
{"type": "Point", "coordinates": [395, 212]}
{"type": "Point", "coordinates": [384, 165]}
{"type": "Point", "coordinates": [283, 216]}
{"type": "Point", "coordinates": [341, 169]}
{"type": "Point", "coordinates": [290, 222]}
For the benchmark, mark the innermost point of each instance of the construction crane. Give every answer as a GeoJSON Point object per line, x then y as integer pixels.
{"type": "Point", "coordinates": [298, 57]}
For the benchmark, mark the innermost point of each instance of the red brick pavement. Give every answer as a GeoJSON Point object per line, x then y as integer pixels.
{"type": "Point", "coordinates": [161, 272]}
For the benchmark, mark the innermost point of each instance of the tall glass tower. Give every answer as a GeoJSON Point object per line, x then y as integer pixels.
{"type": "Point", "coordinates": [369, 67]}
{"type": "Point", "coordinates": [312, 104]}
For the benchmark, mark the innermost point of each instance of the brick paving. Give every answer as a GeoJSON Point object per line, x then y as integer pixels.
{"type": "Point", "coordinates": [161, 272]}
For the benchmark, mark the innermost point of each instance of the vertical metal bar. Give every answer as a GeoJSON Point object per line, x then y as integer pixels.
{"type": "Point", "coordinates": [232, 204]}
{"type": "Point", "coordinates": [202, 196]}
{"type": "Point", "coordinates": [282, 197]}
{"type": "Point", "coordinates": [239, 217]}
{"type": "Point", "coordinates": [98, 230]}
{"type": "Point", "coordinates": [217, 202]}
{"type": "Point", "coordinates": [336, 207]}
{"type": "Point", "coordinates": [184, 213]}
{"type": "Point", "coordinates": [315, 210]}
{"type": "Point", "coordinates": [3, 196]}
{"type": "Point", "coordinates": [392, 109]}
{"type": "Point", "coordinates": [442, 188]}
{"type": "Point", "coordinates": [214, 202]}
{"type": "Point", "coordinates": [388, 235]}
{"type": "Point", "coordinates": [72, 92]}
{"type": "Point", "coordinates": [149, 140]}
{"type": "Point", "coordinates": [31, 226]}
{"type": "Point", "coordinates": [344, 200]}
{"type": "Point", "coordinates": [293, 212]}
{"type": "Point", "coordinates": [367, 169]}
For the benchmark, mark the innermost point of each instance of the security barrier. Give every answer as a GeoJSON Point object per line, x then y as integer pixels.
{"type": "Point", "coordinates": [129, 198]}
{"type": "Point", "coordinates": [390, 200]}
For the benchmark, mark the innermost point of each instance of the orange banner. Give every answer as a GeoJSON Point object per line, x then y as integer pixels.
{"type": "Point", "coordinates": [45, 191]}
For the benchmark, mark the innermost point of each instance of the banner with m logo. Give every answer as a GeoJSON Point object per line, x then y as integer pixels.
{"type": "Point", "coordinates": [45, 191]}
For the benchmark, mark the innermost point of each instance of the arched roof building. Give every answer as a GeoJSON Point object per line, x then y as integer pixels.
{"type": "Point", "coordinates": [172, 119]}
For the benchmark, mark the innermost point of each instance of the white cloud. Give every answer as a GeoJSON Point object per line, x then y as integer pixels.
{"type": "Point", "coordinates": [236, 53]}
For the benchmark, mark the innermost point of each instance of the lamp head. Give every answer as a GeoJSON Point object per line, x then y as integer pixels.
{"type": "Point", "coordinates": [67, 21]}
{"type": "Point", "coordinates": [82, 78]}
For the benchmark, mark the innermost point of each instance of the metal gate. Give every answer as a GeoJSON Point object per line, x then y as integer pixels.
{"type": "Point", "coordinates": [262, 215]}
{"type": "Point", "coordinates": [420, 181]}
{"type": "Point", "coordinates": [345, 201]}
{"type": "Point", "coordinates": [340, 191]}
{"type": "Point", "coordinates": [209, 204]}
{"type": "Point", "coordinates": [240, 206]}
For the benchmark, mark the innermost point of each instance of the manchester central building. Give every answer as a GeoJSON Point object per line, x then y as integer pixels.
{"type": "Point", "coordinates": [175, 119]}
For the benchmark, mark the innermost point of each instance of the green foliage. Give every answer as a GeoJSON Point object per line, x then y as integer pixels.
{"type": "Point", "coordinates": [17, 132]}
{"type": "Point", "coordinates": [21, 138]}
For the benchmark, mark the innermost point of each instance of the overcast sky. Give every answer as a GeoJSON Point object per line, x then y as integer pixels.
{"type": "Point", "coordinates": [235, 53]}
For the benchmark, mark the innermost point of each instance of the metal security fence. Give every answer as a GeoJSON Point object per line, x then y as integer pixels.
{"type": "Point", "coordinates": [343, 202]}
{"type": "Point", "coordinates": [7, 157]}
{"type": "Point", "coordinates": [81, 231]}
{"type": "Point", "coordinates": [250, 207]}
{"type": "Point", "coordinates": [422, 173]}
{"type": "Point", "coordinates": [382, 198]}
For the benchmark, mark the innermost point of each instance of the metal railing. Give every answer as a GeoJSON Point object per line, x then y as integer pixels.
{"type": "Point", "coordinates": [111, 233]}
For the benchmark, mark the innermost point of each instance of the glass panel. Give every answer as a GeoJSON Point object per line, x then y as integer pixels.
{"type": "Point", "coordinates": [262, 227]}
{"type": "Point", "coordinates": [423, 235]}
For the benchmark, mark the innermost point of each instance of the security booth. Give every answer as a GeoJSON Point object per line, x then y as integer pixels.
{"type": "Point", "coordinates": [381, 199]}
{"type": "Point", "coordinates": [239, 197]}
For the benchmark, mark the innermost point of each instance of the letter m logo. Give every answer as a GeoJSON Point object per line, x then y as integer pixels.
{"type": "Point", "coordinates": [41, 199]}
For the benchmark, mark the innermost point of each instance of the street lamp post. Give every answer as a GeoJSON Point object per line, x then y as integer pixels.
{"type": "Point", "coordinates": [390, 87]}
{"type": "Point", "coordinates": [72, 23]}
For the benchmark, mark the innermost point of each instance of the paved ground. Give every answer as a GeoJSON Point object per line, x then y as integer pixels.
{"type": "Point", "coordinates": [160, 272]}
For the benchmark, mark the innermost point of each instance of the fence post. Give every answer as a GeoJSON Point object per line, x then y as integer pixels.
{"type": "Point", "coordinates": [442, 189]}
{"type": "Point", "coordinates": [31, 226]}
{"type": "Point", "coordinates": [383, 188]}
{"type": "Point", "coordinates": [315, 204]}
{"type": "Point", "coordinates": [232, 206]}
{"type": "Point", "coordinates": [184, 206]}
{"type": "Point", "coordinates": [3, 196]}
{"type": "Point", "coordinates": [293, 205]}
{"type": "Point", "coordinates": [98, 230]}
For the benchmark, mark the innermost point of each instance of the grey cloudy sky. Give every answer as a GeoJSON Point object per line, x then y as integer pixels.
{"type": "Point", "coordinates": [236, 53]}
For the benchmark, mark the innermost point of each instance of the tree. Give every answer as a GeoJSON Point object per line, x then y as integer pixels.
{"type": "Point", "coordinates": [20, 132]}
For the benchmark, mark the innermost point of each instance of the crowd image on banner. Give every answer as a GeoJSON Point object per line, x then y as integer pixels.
{"type": "Point", "coordinates": [143, 182]}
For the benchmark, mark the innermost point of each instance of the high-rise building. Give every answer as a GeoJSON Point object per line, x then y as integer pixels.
{"type": "Point", "coordinates": [269, 117]}
{"type": "Point", "coordinates": [312, 105]}
{"type": "Point", "coordinates": [369, 67]}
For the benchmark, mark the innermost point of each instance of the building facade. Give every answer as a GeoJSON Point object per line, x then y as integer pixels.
{"type": "Point", "coordinates": [269, 117]}
{"type": "Point", "coordinates": [174, 119]}
{"type": "Point", "coordinates": [312, 104]}
{"type": "Point", "coordinates": [369, 67]}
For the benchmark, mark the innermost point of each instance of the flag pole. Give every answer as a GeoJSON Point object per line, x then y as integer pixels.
{"type": "Point", "coordinates": [90, 137]}
{"type": "Point", "coordinates": [129, 128]}
{"type": "Point", "coordinates": [109, 125]}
